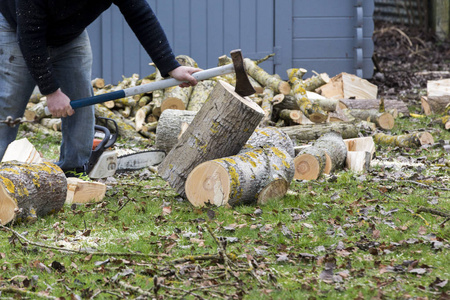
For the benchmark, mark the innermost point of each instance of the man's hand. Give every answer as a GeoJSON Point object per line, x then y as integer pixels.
{"type": "Point", "coordinates": [59, 104]}
{"type": "Point", "coordinates": [185, 74]}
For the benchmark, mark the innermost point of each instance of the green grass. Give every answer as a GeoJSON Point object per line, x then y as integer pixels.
{"type": "Point", "coordinates": [348, 236]}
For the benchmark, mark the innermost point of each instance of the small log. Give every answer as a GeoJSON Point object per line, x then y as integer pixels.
{"type": "Point", "coordinates": [270, 137]}
{"type": "Point", "coordinates": [144, 100]}
{"type": "Point", "coordinates": [411, 140]}
{"type": "Point", "coordinates": [426, 108]}
{"type": "Point", "coordinates": [293, 117]}
{"type": "Point", "coordinates": [401, 106]}
{"type": "Point", "coordinates": [383, 120]}
{"type": "Point", "coordinates": [52, 123]}
{"type": "Point", "coordinates": [200, 94]}
{"type": "Point", "coordinates": [305, 133]}
{"type": "Point", "coordinates": [239, 179]}
{"type": "Point", "coordinates": [170, 126]}
{"type": "Point", "coordinates": [312, 111]}
{"type": "Point", "coordinates": [267, 106]}
{"type": "Point", "coordinates": [157, 96]}
{"type": "Point", "coordinates": [265, 79]}
{"type": "Point", "coordinates": [314, 82]}
{"type": "Point", "coordinates": [334, 146]}
{"type": "Point", "coordinates": [98, 83]}
{"type": "Point", "coordinates": [80, 191]}
{"type": "Point", "coordinates": [310, 163]}
{"type": "Point", "coordinates": [177, 97]}
{"type": "Point", "coordinates": [37, 111]}
{"type": "Point", "coordinates": [348, 86]}
{"type": "Point", "coordinates": [443, 121]}
{"type": "Point", "coordinates": [28, 191]}
{"type": "Point", "coordinates": [141, 116]}
{"type": "Point", "coordinates": [221, 128]}
{"type": "Point", "coordinates": [438, 94]}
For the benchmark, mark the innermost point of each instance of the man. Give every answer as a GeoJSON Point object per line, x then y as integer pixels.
{"type": "Point", "coordinates": [44, 43]}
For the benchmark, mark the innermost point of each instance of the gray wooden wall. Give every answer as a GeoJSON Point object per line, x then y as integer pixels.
{"type": "Point", "coordinates": [322, 35]}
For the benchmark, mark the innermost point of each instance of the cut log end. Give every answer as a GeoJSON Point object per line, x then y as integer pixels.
{"type": "Point", "coordinates": [386, 121]}
{"type": "Point", "coordinates": [7, 207]}
{"type": "Point", "coordinates": [426, 138]}
{"type": "Point", "coordinates": [284, 88]}
{"type": "Point", "coordinates": [172, 103]}
{"type": "Point", "coordinates": [275, 190]}
{"type": "Point", "coordinates": [208, 183]}
{"type": "Point", "coordinates": [306, 167]}
{"type": "Point", "coordinates": [318, 117]}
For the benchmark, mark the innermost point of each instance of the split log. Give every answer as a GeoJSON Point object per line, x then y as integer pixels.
{"type": "Point", "coordinates": [221, 128]}
{"type": "Point", "coordinates": [305, 133]}
{"type": "Point", "coordinates": [383, 120]}
{"type": "Point", "coordinates": [170, 127]}
{"type": "Point", "coordinates": [176, 97]}
{"type": "Point", "coordinates": [374, 104]}
{"type": "Point", "coordinates": [22, 151]}
{"type": "Point", "coordinates": [426, 108]}
{"type": "Point", "coordinates": [80, 191]}
{"type": "Point", "coordinates": [411, 140]}
{"type": "Point", "coordinates": [270, 137]}
{"type": "Point", "coordinates": [141, 116]}
{"type": "Point", "coordinates": [28, 191]}
{"type": "Point", "coordinates": [336, 150]}
{"type": "Point", "coordinates": [348, 86]}
{"type": "Point", "coordinates": [358, 161]}
{"type": "Point", "coordinates": [265, 79]}
{"type": "Point", "coordinates": [200, 94]}
{"type": "Point", "coordinates": [310, 163]}
{"type": "Point", "coordinates": [361, 144]}
{"type": "Point", "coordinates": [438, 94]}
{"type": "Point", "coordinates": [239, 179]}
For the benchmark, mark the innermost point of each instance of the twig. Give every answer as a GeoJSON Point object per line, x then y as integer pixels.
{"type": "Point", "coordinates": [264, 58]}
{"type": "Point", "coordinates": [426, 185]}
{"type": "Point", "coordinates": [106, 292]}
{"type": "Point", "coordinates": [135, 289]}
{"type": "Point", "coordinates": [189, 292]}
{"type": "Point", "coordinates": [433, 211]}
{"type": "Point", "coordinates": [27, 241]}
{"type": "Point", "coordinates": [24, 293]}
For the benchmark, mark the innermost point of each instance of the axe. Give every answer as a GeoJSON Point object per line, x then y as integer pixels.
{"type": "Point", "coordinates": [243, 85]}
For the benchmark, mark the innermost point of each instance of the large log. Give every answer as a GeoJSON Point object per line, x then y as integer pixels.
{"type": "Point", "coordinates": [170, 127]}
{"type": "Point", "coordinates": [239, 179]}
{"type": "Point", "coordinates": [221, 128]}
{"type": "Point", "coordinates": [335, 148]}
{"type": "Point", "coordinates": [383, 120]}
{"type": "Point", "coordinates": [306, 133]}
{"type": "Point", "coordinates": [200, 94]}
{"type": "Point", "coordinates": [270, 137]}
{"type": "Point", "coordinates": [28, 191]}
{"type": "Point", "coordinates": [410, 140]}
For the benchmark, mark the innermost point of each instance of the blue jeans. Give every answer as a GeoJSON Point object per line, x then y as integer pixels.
{"type": "Point", "coordinates": [72, 65]}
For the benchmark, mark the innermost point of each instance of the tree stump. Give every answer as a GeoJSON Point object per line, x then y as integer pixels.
{"type": "Point", "coordinates": [239, 179]}
{"type": "Point", "coordinates": [221, 128]}
{"type": "Point", "coordinates": [28, 191]}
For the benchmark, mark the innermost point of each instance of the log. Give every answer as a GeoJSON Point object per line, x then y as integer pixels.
{"type": "Point", "coordinates": [28, 191]}
{"type": "Point", "coordinates": [98, 83]}
{"type": "Point", "coordinates": [336, 150]}
{"type": "Point", "coordinates": [239, 179]}
{"type": "Point", "coordinates": [270, 137]}
{"type": "Point", "coordinates": [314, 82]}
{"type": "Point", "coordinates": [306, 133]}
{"type": "Point", "coordinates": [221, 128]}
{"type": "Point", "coordinates": [411, 140]}
{"type": "Point", "coordinates": [37, 111]}
{"type": "Point", "coordinates": [348, 86]}
{"type": "Point", "coordinates": [383, 120]}
{"type": "Point", "coordinates": [200, 94]}
{"type": "Point", "coordinates": [443, 121]}
{"type": "Point", "coordinates": [361, 144]}
{"type": "Point", "coordinates": [141, 116]}
{"type": "Point", "coordinates": [374, 104]}
{"type": "Point", "coordinates": [312, 111]}
{"type": "Point", "coordinates": [293, 117]}
{"type": "Point", "coordinates": [22, 151]}
{"type": "Point", "coordinates": [265, 79]}
{"type": "Point", "coordinates": [52, 123]}
{"type": "Point", "coordinates": [358, 161]}
{"type": "Point", "coordinates": [157, 96]}
{"type": "Point", "coordinates": [267, 106]}
{"type": "Point", "coordinates": [310, 163]}
{"type": "Point", "coordinates": [80, 191]}
{"type": "Point", "coordinates": [438, 95]}
{"type": "Point", "coordinates": [170, 126]}
{"type": "Point", "coordinates": [176, 97]}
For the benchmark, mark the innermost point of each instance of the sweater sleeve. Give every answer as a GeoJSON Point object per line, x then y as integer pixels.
{"type": "Point", "coordinates": [31, 32]}
{"type": "Point", "coordinates": [145, 25]}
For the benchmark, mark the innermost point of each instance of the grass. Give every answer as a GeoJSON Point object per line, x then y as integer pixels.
{"type": "Point", "coordinates": [346, 236]}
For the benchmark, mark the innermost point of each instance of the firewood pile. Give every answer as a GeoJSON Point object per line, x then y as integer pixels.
{"type": "Point", "coordinates": [332, 122]}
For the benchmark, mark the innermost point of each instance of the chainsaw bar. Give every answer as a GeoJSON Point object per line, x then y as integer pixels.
{"type": "Point", "coordinates": [139, 160]}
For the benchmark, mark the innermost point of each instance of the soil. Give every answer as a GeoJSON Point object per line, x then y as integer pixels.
{"type": "Point", "coordinates": [405, 58]}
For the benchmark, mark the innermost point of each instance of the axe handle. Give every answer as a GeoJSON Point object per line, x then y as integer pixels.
{"type": "Point", "coordinates": [147, 88]}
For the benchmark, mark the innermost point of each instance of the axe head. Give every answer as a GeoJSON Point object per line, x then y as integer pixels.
{"type": "Point", "coordinates": [243, 86]}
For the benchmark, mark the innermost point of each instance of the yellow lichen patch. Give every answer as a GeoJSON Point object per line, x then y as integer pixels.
{"type": "Point", "coordinates": [281, 155]}
{"type": "Point", "coordinates": [236, 192]}
{"type": "Point", "coordinates": [9, 185]}
{"type": "Point", "coordinates": [229, 160]}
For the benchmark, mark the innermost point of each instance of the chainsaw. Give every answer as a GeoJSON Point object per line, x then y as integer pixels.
{"type": "Point", "coordinates": [105, 161]}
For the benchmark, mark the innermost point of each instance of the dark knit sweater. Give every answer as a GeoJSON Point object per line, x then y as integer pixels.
{"type": "Point", "coordinates": [43, 23]}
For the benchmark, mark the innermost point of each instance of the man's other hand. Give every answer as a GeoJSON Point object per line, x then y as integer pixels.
{"type": "Point", "coordinates": [59, 104]}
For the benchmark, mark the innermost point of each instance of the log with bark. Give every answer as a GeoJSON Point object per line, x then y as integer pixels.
{"type": "Point", "coordinates": [389, 104]}
{"type": "Point", "coordinates": [170, 127]}
{"type": "Point", "coordinates": [265, 79]}
{"type": "Point", "coordinates": [443, 121]}
{"type": "Point", "coordinates": [383, 120]}
{"type": "Point", "coordinates": [200, 94]}
{"type": "Point", "coordinates": [267, 106]}
{"type": "Point", "coordinates": [28, 191]}
{"type": "Point", "coordinates": [306, 133]}
{"type": "Point", "coordinates": [411, 140]}
{"type": "Point", "coordinates": [336, 150]}
{"type": "Point", "coordinates": [221, 128]}
{"type": "Point", "coordinates": [359, 153]}
{"type": "Point", "coordinates": [241, 178]}
{"type": "Point", "coordinates": [310, 163]}
{"type": "Point", "coordinates": [270, 137]}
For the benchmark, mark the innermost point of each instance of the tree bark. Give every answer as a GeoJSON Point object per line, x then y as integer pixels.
{"type": "Point", "coordinates": [200, 94]}
{"type": "Point", "coordinates": [239, 179]}
{"type": "Point", "coordinates": [28, 191]}
{"type": "Point", "coordinates": [374, 104]}
{"type": "Point", "coordinates": [270, 137]}
{"type": "Point", "coordinates": [265, 79]}
{"type": "Point", "coordinates": [306, 133]}
{"type": "Point", "coordinates": [383, 120]}
{"type": "Point", "coordinates": [411, 140]}
{"type": "Point", "coordinates": [221, 128]}
{"type": "Point", "coordinates": [334, 146]}
{"type": "Point", "coordinates": [169, 127]}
